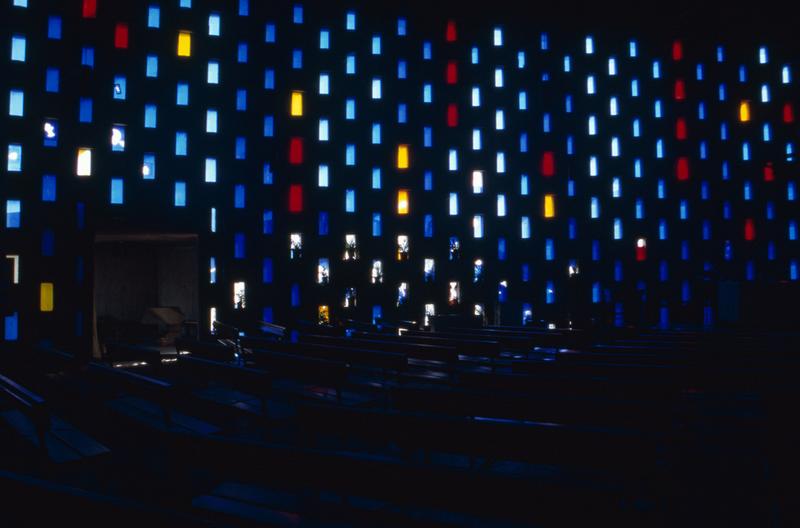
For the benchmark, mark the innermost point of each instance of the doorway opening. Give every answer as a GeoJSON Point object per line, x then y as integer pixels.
{"type": "Point", "coordinates": [145, 289]}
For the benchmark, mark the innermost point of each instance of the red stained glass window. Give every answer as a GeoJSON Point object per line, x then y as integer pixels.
{"type": "Point", "coordinates": [788, 113]}
{"type": "Point", "coordinates": [121, 36]}
{"type": "Point", "coordinates": [680, 90]}
{"type": "Point", "coordinates": [89, 8]}
{"type": "Point", "coordinates": [296, 198]}
{"type": "Point", "coordinates": [677, 50]}
{"type": "Point", "coordinates": [452, 72]}
{"type": "Point", "coordinates": [452, 115]}
{"type": "Point", "coordinates": [450, 34]}
{"type": "Point", "coordinates": [682, 168]}
{"type": "Point", "coordinates": [769, 172]}
{"type": "Point", "coordinates": [548, 166]}
{"type": "Point", "coordinates": [680, 128]}
{"type": "Point", "coordinates": [749, 229]}
{"type": "Point", "coordinates": [296, 151]}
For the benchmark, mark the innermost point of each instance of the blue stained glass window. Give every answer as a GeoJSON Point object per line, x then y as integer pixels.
{"type": "Point", "coordinates": [16, 103]}
{"type": "Point", "coordinates": [182, 96]}
{"type": "Point", "coordinates": [152, 66]}
{"type": "Point", "coordinates": [13, 214]}
{"type": "Point", "coordinates": [87, 57]}
{"type": "Point", "coordinates": [153, 17]}
{"type": "Point", "coordinates": [116, 191]}
{"type": "Point", "coordinates": [150, 116]}
{"type": "Point", "coordinates": [18, 48]}
{"type": "Point", "coordinates": [52, 80]}
{"type": "Point", "coordinates": [48, 188]}
{"type": "Point", "coordinates": [181, 143]}
{"type": "Point", "coordinates": [54, 28]}
{"type": "Point", "coordinates": [239, 246]}
{"type": "Point", "coordinates": [267, 225]}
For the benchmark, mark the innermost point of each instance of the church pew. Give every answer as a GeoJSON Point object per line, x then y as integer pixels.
{"type": "Point", "coordinates": [619, 451]}
{"type": "Point", "coordinates": [331, 374]}
{"type": "Point", "coordinates": [146, 400]}
{"type": "Point", "coordinates": [546, 495]}
{"type": "Point", "coordinates": [207, 349]}
{"type": "Point", "coordinates": [30, 501]}
{"type": "Point", "coordinates": [124, 352]}
{"type": "Point", "coordinates": [51, 437]}
{"type": "Point", "coordinates": [443, 354]}
{"type": "Point", "coordinates": [369, 358]}
{"type": "Point", "coordinates": [476, 348]}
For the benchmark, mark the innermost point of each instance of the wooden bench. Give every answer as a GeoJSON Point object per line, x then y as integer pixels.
{"type": "Point", "coordinates": [257, 383]}
{"type": "Point", "coordinates": [124, 352]}
{"type": "Point", "coordinates": [442, 354]}
{"type": "Point", "coordinates": [387, 362]}
{"type": "Point", "coordinates": [331, 374]}
{"type": "Point", "coordinates": [54, 439]}
{"type": "Point", "coordinates": [147, 400]}
{"type": "Point", "coordinates": [615, 450]}
{"type": "Point", "coordinates": [206, 349]}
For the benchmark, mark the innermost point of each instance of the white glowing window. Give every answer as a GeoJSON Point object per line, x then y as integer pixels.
{"type": "Point", "coordinates": [590, 84]}
{"type": "Point", "coordinates": [592, 125]}
{"type": "Point", "coordinates": [501, 205]}
{"type": "Point", "coordinates": [238, 295]}
{"type": "Point", "coordinates": [498, 77]}
{"type": "Point", "coordinates": [322, 176]}
{"type": "Point", "coordinates": [453, 204]}
{"type": "Point", "coordinates": [323, 271]}
{"type": "Point", "coordinates": [614, 147]}
{"type": "Point", "coordinates": [212, 318]}
{"type": "Point", "coordinates": [295, 245]}
{"type": "Point", "coordinates": [323, 130]}
{"type": "Point", "coordinates": [498, 37]}
{"type": "Point", "coordinates": [500, 162]}
{"type": "Point", "coordinates": [525, 227]}
{"type": "Point", "coordinates": [593, 166]}
{"type": "Point", "coordinates": [612, 66]}
{"type": "Point", "coordinates": [324, 84]}
{"type": "Point", "coordinates": [762, 55]}
{"type": "Point", "coordinates": [118, 138]}
{"type": "Point", "coordinates": [476, 96]}
{"type": "Point", "coordinates": [477, 182]}
{"type": "Point", "coordinates": [430, 311]}
{"type": "Point", "coordinates": [595, 207]}
{"type": "Point", "coordinates": [616, 190]}
{"type": "Point", "coordinates": [429, 269]}
{"type": "Point", "coordinates": [786, 75]}
{"type": "Point", "coordinates": [402, 293]}
{"type": "Point", "coordinates": [612, 106]}
{"type": "Point", "coordinates": [476, 139]}
{"type": "Point", "coordinates": [376, 88]}
{"type": "Point", "coordinates": [452, 160]}
{"type": "Point", "coordinates": [617, 229]}
{"type": "Point", "coordinates": [589, 45]}
{"type": "Point", "coordinates": [376, 276]}
{"type": "Point", "coordinates": [477, 226]}
{"type": "Point", "coordinates": [499, 120]}
{"type": "Point", "coordinates": [84, 165]}
{"type": "Point", "coordinates": [350, 247]}
{"type": "Point", "coordinates": [454, 295]}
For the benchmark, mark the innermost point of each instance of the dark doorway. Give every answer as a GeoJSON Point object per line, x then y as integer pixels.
{"type": "Point", "coordinates": [145, 288]}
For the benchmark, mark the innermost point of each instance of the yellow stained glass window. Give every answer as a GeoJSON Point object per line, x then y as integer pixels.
{"type": "Point", "coordinates": [184, 44]}
{"type": "Point", "coordinates": [46, 297]}
{"type": "Point", "coordinates": [297, 104]}
{"type": "Point", "coordinates": [744, 112]}
{"type": "Point", "coordinates": [549, 206]}
{"type": "Point", "coordinates": [402, 157]}
{"type": "Point", "coordinates": [402, 202]}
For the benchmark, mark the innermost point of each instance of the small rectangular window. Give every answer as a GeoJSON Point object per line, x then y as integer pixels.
{"type": "Point", "coordinates": [84, 163]}
{"type": "Point", "coordinates": [213, 25]}
{"type": "Point", "coordinates": [16, 103]}
{"type": "Point", "coordinates": [51, 84]}
{"type": "Point", "coordinates": [116, 191]}
{"type": "Point", "coordinates": [18, 48]}
{"type": "Point", "coordinates": [182, 95]}
{"type": "Point", "coordinates": [184, 44]}
{"type": "Point", "coordinates": [152, 66]}
{"type": "Point", "coordinates": [212, 73]}
{"type": "Point", "coordinates": [13, 214]}
{"type": "Point", "coordinates": [154, 17]}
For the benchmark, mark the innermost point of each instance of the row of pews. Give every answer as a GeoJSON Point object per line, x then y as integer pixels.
{"type": "Point", "coordinates": [496, 426]}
